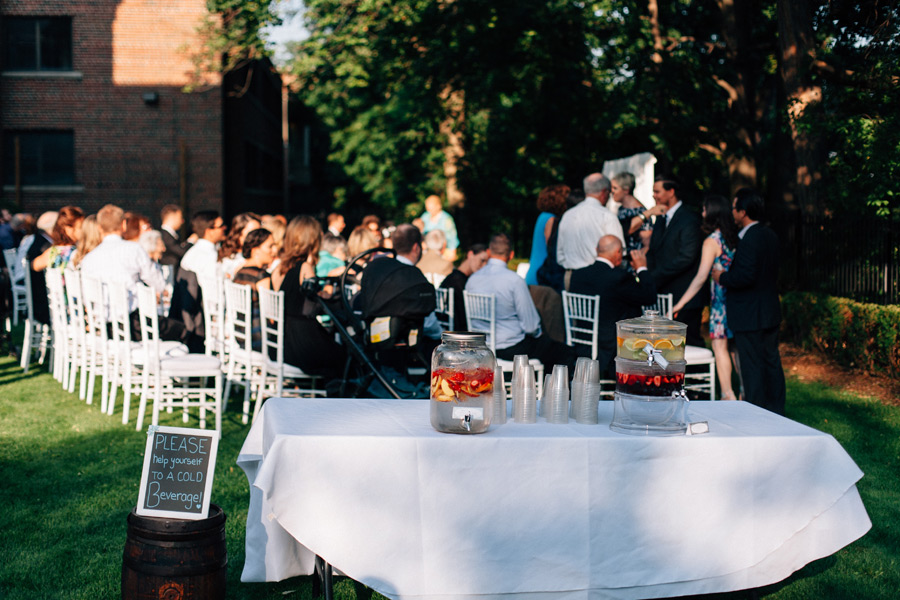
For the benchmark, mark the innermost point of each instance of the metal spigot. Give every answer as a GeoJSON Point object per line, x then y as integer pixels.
{"type": "Point", "coordinates": [654, 355]}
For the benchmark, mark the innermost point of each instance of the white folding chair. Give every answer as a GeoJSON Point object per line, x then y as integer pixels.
{"type": "Point", "coordinates": [170, 379]}
{"type": "Point", "coordinates": [37, 335]}
{"type": "Point", "coordinates": [97, 339]}
{"type": "Point", "coordinates": [445, 309]}
{"type": "Point", "coordinates": [580, 315]}
{"type": "Point", "coordinates": [18, 287]}
{"type": "Point", "coordinates": [244, 366]}
{"type": "Point", "coordinates": [127, 356]}
{"type": "Point", "coordinates": [276, 372]}
{"type": "Point", "coordinates": [78, 331]}
{"type": "Point", "coordinates": [481, 317]}
{"type": "Point", "coordinates": [703, 379]}
{"type": "Point", "coordinates": [213, 294]}
{"type": "Point", "coordinates": [59, 324]}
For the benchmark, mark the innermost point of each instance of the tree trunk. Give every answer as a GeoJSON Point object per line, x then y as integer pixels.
{"type": "Point", "coordinates": [454, 102]}
{"type": "Point", "coordinates": [741, 156]}
{"type": "Point", "coordinates": [797, 48]}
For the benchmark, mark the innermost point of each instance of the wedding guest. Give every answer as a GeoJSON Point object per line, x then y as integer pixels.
{"type": "Point", "coordinates": [42, 241]}
{"type": "Point", "coordinates": [66, 232]}
{"type": "Point", "coordinates": [172, 218]}
{"type": "Point", "coordinates": [553, 201]}
{"type": "Point", "coordinates": [307, 344]}
{"type": "Point", "coordinates": [230, 251]}
{"type": "Point", "coordinates": [152, 243]}
{"type": "Point", "coordinates": [91, 237]}
{"type": "Point", "coordinates": [258, 252]}
{"type": "Point", "coordinates": [752, 304]}
{"type": "Point", "coordinates": [716, 253]}
{"type": "Point", "coordinates": [135, 225]}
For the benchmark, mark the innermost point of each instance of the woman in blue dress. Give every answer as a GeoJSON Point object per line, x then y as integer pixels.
{"type": "Point", "coordinates": [718, 252]}
{"type": "Point", "coordinates": [552, 204]}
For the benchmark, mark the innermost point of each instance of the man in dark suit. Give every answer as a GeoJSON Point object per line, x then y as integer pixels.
{"type": "Point", "coordinates": [621, 294]}
{"type": "Point", "coordinates": [674, 254]}
{"type": "Point", "coordinates": [42, 241]}
{"type": "Point", "coordinates": [752, 305]}
{"type": "Point", "coordinates": [172, 221]}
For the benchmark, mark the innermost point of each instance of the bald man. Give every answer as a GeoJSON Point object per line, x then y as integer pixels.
{"type": "Point", "coordinates": [621, 294]}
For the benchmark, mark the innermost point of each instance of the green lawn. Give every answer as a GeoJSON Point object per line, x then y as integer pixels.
{"type": "Point", "coordinates": [70, 476]}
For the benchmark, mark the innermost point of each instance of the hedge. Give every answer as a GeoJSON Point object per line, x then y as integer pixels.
{"type": "Point", "coordinates": [856, 335]}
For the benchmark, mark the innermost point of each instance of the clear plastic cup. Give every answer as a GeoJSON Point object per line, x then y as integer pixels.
{"type": "Point", "coordinates": [500, 407]}
{"type": "Point", "coordinates": [525, 397]}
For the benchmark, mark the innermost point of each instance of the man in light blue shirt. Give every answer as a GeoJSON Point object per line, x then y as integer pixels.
{"type": "Point", "coordinates": [518, 323]}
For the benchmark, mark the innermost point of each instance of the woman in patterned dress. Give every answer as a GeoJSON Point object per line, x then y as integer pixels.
{"type": "Point", "coordinates": [66, 234]}
{"type": "Point", "coordinates": [718, 251]}
{"type": "Point", "coordinates": [635, 218]}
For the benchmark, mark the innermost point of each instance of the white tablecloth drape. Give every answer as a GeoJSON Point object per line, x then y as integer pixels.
{"type": "Point", "coordinates": [562, 511]}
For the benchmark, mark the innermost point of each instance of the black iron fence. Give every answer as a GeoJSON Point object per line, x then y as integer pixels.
{"type": "Point", "coordinates": [852, 256]}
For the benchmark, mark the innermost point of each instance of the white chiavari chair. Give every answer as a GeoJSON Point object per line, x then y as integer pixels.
{"type": "Point", "coordinates": [37, 335]}
{"type": "Point", "coordinates": [445, 310]}
{"type": "Point", "coordinates": [275, 373]}
{"type": "Point", "coordinates": [181, 380]}
{"type": "Point", "coordinates": [481, 317]}
{"type": "Point", "coordinates": [97, 339]}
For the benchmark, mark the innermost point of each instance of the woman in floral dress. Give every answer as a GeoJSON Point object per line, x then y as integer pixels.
{"type": "Point", "coordinates": [718, 251]}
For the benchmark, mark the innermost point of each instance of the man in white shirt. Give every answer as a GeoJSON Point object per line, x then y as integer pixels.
{"type": "Point", "coordinates": [119, 261]}
{"type": "Point", "coordinates": [201, 258]}
{"type": "Point", "coordinates": [585, 223]}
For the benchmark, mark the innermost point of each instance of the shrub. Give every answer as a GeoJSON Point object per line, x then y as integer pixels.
{"type": "Point", "coordinates": [863, 336]}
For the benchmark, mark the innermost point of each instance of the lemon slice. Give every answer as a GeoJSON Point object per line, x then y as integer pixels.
{"type": "Point", "coordinates": [636, 343]}
{"type": "Point", "coordinates": [678, 341]}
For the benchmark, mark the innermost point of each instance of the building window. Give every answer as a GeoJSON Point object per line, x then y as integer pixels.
{"type": "Point", "coordinates": [37, 44]}
{"type": "Point", "coordinates": [45, 157]}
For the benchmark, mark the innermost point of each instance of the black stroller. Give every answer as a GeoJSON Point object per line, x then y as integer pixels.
{"type": "Point", "coordinates": [381, 326]}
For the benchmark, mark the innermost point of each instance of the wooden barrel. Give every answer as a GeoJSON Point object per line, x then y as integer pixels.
{"type": "Point", "coordinates": [175, 559]}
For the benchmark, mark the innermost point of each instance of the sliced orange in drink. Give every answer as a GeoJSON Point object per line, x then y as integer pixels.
{"type": "Point", "coordinates": [664, 344]}
{"type": "Point", "coordinates": [636, 343]}
{"type": "Point", "coordinates": [620, 341]}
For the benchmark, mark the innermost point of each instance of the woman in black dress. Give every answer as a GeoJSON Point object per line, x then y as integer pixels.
{"type": "Point", "coordinates": [307, 344]}
{"type": "Point", "coordinates": [258, 252]}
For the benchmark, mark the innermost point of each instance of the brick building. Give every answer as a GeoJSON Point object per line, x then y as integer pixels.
{"type": "Point", "coordinates": [92, 111]}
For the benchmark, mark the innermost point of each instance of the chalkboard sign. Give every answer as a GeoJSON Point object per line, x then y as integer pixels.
{"type": "Point", "coordinates": [179, 464]}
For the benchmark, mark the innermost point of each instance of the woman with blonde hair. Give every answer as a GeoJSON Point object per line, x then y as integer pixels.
{"type": "Point", "coordinates": [307, 344]}
{"type": "Point", "coordinates": [91, 236]}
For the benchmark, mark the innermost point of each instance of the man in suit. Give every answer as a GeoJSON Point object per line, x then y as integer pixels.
{"type": "Point", "coordinates": [674, 254]}
{"type": "Point", "coordinates": [752, 305]}
{"type": "Point", "coordinates": [172, 221]}
{"type": "Point", "coordinates": [622, 295]}
{"type": "Point", "coordinates": [42, 240]}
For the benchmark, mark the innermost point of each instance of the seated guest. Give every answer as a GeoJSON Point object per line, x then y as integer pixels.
{"type": "Point", "coordinates": [66, 232]}
{"type": "Point", "coordinates": [276, 226]}
{"type": "Point", "coordinates": [621, 294]}
{"type": "Point", "coordinates": [152, 243]}
{"type": "Point", "coordinates": [120, 261]}
{"type": "Point", "coordinates": [259, 252]}
{"type": "Point", "coordinates": [230, 251]}
{"type": "Point", "coordinates": [432, 263]}
{"type": "Point", "coordinates": [476, 258]}
{"type": "Point", "coordinates": [336, 224]}
{"type": "Point", "coordinates": [23, 229]}
{"type": "Point", "coordinates": [172, 218]}
{"type": "Point", "coordinates": [518, 323]}
{"type": "Point", "coordinates": [201, 258]}
{"type": "Point", "coordinates": [43, 240]}
{"type": "Point", "coordinates": [332, 256]}
{"type": "Point", "coordinates": [91, 237]}
{"type": "Point", "coordinates": [307, 344]}
{"type": "Point", "coordinates": [135, 225]}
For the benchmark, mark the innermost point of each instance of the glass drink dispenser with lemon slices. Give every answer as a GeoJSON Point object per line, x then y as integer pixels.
{"type": "Point", "coordinates": [650, 398]}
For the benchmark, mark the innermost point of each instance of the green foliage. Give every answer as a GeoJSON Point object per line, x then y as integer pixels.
{"type": "Point", "coordinates": [863, 336]}
{"type": "Point", "coordinates": [231, 36]}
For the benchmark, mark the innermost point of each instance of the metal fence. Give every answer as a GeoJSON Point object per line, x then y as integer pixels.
{"type": "Point", "coordinates": [852, 256]}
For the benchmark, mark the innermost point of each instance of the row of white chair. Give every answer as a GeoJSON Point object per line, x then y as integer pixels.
{"type": "Point", "coordinates": [90, 334]}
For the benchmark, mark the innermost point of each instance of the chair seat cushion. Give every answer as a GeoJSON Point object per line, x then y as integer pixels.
{"type": "Point", "coordinates": [697, 353]}
{"type": "Point", "coordinates": [192, 365]}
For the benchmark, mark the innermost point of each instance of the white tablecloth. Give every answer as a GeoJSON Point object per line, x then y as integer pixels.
{"type": "Point", "coordinates": [542, 511]}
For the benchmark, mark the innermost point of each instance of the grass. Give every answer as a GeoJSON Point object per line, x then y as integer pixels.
{"type": "Point", "coordinates": [70, 476]}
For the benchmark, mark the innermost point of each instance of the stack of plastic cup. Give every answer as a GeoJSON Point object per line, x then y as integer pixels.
{"type": "Point", "coordinates": [545, 399]}
{"type": "Point", "coordinates": [519, 363]}
{"type": "Point", "coordinates": [577, 385]}
{"type": "Point", "coordinates": [557, 397]}
{"type": "Point", "coordinates": [588, 413]}
{"type": "Point", "coordinates": [525, 397]}
{"type": "Point", "coordinates": [499, 416]}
